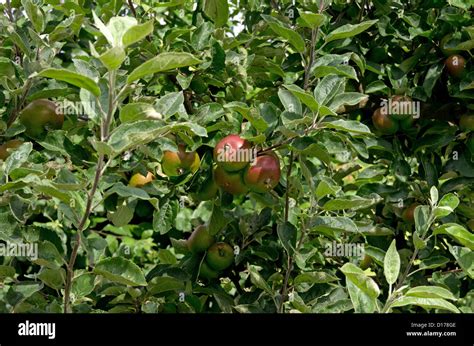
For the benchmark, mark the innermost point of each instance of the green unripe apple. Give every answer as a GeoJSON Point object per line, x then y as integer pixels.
{"type": "Point", "coordinates": [206, 272]}
{"type": "Point", "coordinates": [220, 256]}
{"type": "Point", "coordinates": [401, 107]}
{"type": "Point", "coordinates": [39, 116]}
{"type": "Point", "coordinates": [200, 240]}
{"type": "Point", "coordinates": [207, 191]}
{"type": "Point", "coordinates": [466, 123]}
{"type": "Point", "coordinates": [452, 42]}
{"type": "Point", "coordinates": [406, 123]}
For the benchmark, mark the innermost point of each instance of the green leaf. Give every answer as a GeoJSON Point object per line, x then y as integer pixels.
{"type": "Point", "coordinates": [34, 15]}
{"type": "Point", "coordinates": [315, 278]}
{"type": "Point", "coordinates": [433, 262]}
{"type": "Point", "coordinates": [334, 223]}
{"type": "Point", "coordinates": [288, 34]}
{"type": "Point", "coordinates": [163, 62]}
{"type": "Point", "coordinates": [363, 291]}
{"type": "Point", "coordinates": [362, 281]}
{"type": "Point", "coordinates": [311, 20]}
{"type": "Point", "coordinates": [165, 284]}
{"type": "Point", "coordinates": [165, 216]}
{"type": "Point", "coordinates": [130, 135]}
{"type": "Point", "coordinates": [217, 10]}
{"type": "Point", "coordinates": [18, 157]}
{"type": "Point", "coordinates": [118, 26]}
{"type": "Point", "coordinates": [83, 285]}
{"type": "Point", "coordinates": [73, 78]}
{"type": "Point", "coordinates": [251, 114]}
{"type": "Point", "coordinates": [326, 187]}
{"type": "Point", "coordinates": [341, 70]}
{"type": "Point", "coordinates": [446, 205]}
{"type": "Point", "coordinates": [218, 220]}
{"type": "Point", "coordinates": [113, 58]}
{"type": "Point", "coordinates": [201, 36]}
{"type": "Point", "coordinates": [351, 202]}
{"type": "Point", "coordinates": [352, 126]}
{"type": "Point", "coordinates": [170, 104]}
{"type": "Point", "coordinates": [54, 278]}
{"type": "Point", "coordinates": [137, 33]}
{"type": "Point", "coordinates": [346, 98]}
{"type": "Point", "coordinates": [6, 272]}
{"type": "Point", "coordinates": [20, 42]}
{"type": "Point", "coordinates": [122, 216]}
{"type": "Point", "coordinates": [349, 30]}
{"type": "Point", "coordinates": [434, 195]}
{"type": "Point", "coordinates": [422, 215]}
{"type": "Point", "coordinates": [430, 292]}
{"type": "Point", "coordinates": [418, 242]}
{"type": "Point", "coordinates": [431, 78]}
{"type": "Point", "coordinates": [464, 257]}
{"type": "Point", "coordinates": [23, 290]}
{"type": "Point", "coordinates": [391, 264]}
{"type": "Point", "coordinates": [327, 88]}
{"type": "Point", "coordinates": [138, 111]}
{"type": "Point", "coordinates": [121, 270]}
{"type": "Point", "coordinates": [287, 235]}
{"type": "Point", "coordinates": [458, 232]}
{"type": "Point", "coordinates": [258, 281]}
{"type": "Point", "coordinates": [48, 255]}
{"type": "Point", "coordinates": [304, 96]}
{"type": "Point", "coordinates": [290, 102]}
{"type": "Point", "coordinates": [104, 30]}
{"type": "Point", "coordinates": [427, 303]}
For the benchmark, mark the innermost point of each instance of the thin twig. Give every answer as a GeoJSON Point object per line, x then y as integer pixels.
{"type": "Point", "coordinates": [289, 263]}
{"type": "Point", "coordinates": [104, 134]}
{"type": "Point", "coordinates": [80, 228]}
{"type": "Point", "coordinates": [9, 11]}
{"type": "Point", "coordinates": [132, 8]}
{"type": "Point", "coordinates": [19, 106]}
{"type": "Point", "coordinates": [307, 69]}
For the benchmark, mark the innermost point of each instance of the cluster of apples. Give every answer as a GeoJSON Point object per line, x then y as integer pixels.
{"type": "Point", "coordinates": [219, 255]}
{"type": "Point", "coordinates": [173, 164]}
{"type": "Point", "coordinates": [389, 122]}
{"type": "Point", "coordinates": [239, 169]}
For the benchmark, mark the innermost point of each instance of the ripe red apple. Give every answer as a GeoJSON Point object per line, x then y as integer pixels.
{"type": "Point", "coordinates": [232, 153]}
{"type": "Point", "coordinates": [455, 64]}
{"type": "Point", "coordinates": [264, 174]}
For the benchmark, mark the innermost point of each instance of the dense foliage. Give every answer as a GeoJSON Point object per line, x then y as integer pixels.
{"type": "Point", "coordinates": [147, 89]}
